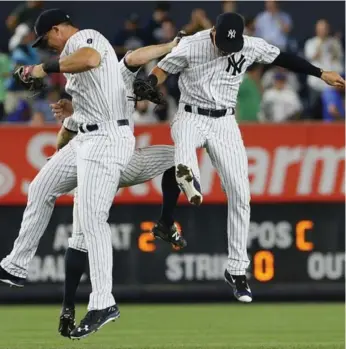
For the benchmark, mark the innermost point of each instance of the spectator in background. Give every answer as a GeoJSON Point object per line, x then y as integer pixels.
{"type": "Point", "coordinates": [169, 31]}
{"type": "Point", "coordinates": [229, 6]}
{"type": "Point", "coordinates": [323, 51]}
{"type": "Point", "coordinates": [144, 113]}
{"type": "Point", "coordinates": [280, 103]}
{"type": "Point", "coordinates": [153, 29]}
{"type": "Point", "coordinates": [268, 79]}
{"type": "Point", "coordinates": [273, 25]}
{"type": "Point", "coordinates": [41, 110]}
{"type": "Point", "coordinates": [21, 113]}
{"type": "Point", "coordinates": [22, 54]}
{"type": "Point", "coordinates": [129, 38]}
{"type": "Point", "coordinates": [249, 95]}
{"type": "Point", "coordinates": [5, 69]}
{"type": "Point", "coordinates": [250, 27]}
{"type": "Point", "coordinates": [333, 104]}
{"type": "Point", "coordinates": [199, 21]}
{"type": "Point", "coordinates": [24, 13]}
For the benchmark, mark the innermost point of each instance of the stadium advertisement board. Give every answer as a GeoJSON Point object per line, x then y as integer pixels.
{"type": "Point", "coordinates": [287, 163]}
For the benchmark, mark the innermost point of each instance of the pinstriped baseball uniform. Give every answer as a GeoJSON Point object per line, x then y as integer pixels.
{"type": "Point", "coordinates": [211, 80]}
{"type": "Point", "coordinates": [59, 176]}
{"type": "Point", "coordinates": [97, 159]}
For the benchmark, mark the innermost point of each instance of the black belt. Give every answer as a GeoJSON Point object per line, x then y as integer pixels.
{"type": "Point", "coordinates": [90, 128]}
{"type": "Point", "coordinates": [213, 113]}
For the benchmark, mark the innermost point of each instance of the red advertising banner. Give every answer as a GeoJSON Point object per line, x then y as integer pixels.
{"type": "Point", "coordinates": [287, 163]}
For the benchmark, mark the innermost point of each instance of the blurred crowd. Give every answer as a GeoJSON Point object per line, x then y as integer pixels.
{"type": "Point", "coordinates": [267, 94]}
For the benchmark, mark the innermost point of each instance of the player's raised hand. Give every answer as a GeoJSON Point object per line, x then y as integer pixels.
{"type": "Point", "coordinates": [333, 79]}
{"type": "Point", "coordinates": [179, 36]}
{"type": "Point", "coordinates": [62, 109]}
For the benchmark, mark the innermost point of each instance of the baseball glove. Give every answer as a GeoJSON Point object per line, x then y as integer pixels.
{"type": "Point", "coordinates": [143, 90]}
{"type": "Point", "coordinates": [23, 76]}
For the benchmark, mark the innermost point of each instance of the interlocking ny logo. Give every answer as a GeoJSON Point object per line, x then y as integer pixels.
{"type": "Point", "coordinates": [231, 33]}
{"type": "Point", "coordinates": [237, 66]}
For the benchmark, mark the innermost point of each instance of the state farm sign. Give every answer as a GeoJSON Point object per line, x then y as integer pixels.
{"type": "Point", "coordinates": [287, 163]}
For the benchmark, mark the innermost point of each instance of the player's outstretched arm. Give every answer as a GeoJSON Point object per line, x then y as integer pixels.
{"type": "Point", "coordinates": [300, 65]}
{"type": "Point", "coordinates": [146, 54]}
{"type": "Point", "coordinates": [84, 59]}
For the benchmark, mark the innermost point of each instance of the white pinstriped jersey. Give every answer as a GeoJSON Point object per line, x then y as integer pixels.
{"type": "Point", "coordinates": [128, 76]}
{"type": "Point", "coordinates": [97, 94]}
{"type": "Point", "coordinates": [209, 79]}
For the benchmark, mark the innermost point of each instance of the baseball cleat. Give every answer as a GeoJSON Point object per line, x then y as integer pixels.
{"type": "Point", "coordinates": [241, 289]}
{"type": "Point", "coordinates": [169, 234]}
{"type": "Point", "coordinates": [188, 184]}
{"type": "Point", "coordinates": [67, 322]}
{"type": "Point", "coordinates": [9, 279]}
{"type": "Point", "coordinates": [94, 320]}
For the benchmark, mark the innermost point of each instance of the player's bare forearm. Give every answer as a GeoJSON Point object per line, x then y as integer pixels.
{"type": "Point", "coordinates": [63, 137]}
{"type": "Point", "coordinates": [160, 74]}
{"type": "Point", "coordinates": [146, 54]}
{"type": "Point", "coordinates": [80, 61]}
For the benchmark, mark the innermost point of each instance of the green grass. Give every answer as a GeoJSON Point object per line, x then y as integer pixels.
{"type": "Point", "coordinates": [222, 326]}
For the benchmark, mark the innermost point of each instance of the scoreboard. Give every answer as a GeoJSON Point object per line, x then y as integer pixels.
{"type": "Point", "coordinates": [295, 250]}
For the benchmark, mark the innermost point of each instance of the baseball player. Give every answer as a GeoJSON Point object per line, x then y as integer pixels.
{"type": "Point", "coordinates": [145, 164]}
{"type": "Point", "coordinates": [97, 155]}
{"type": "Point", "coordinates": [212, 64]}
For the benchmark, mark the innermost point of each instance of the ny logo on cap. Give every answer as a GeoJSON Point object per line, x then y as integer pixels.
{"type": "Point", "coordinates": [231, 34]}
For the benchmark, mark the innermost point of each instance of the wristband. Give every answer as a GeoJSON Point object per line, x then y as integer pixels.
{"type": "Point", "coordinates": [51, 67]}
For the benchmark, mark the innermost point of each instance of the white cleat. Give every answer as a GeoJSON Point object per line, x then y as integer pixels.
{"type": "Point", "coordinates": [188, 183]}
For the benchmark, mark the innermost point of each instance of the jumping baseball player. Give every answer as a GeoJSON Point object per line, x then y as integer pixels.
{"type": "Point", "coordinates": [100, 152]}
{"type": "Point", "coordinates": [145, 164]}
{"type": "Point", "coordinates": [212, 64]}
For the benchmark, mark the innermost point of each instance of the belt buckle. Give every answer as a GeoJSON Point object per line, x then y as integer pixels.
{"type": "Point", "coordinates": [210, 113]}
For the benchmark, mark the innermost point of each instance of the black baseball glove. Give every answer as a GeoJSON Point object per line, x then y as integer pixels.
{"type": "Point", "coordinates": [144, 90]}
{"type": "Point", "coordinates": [23, 75]}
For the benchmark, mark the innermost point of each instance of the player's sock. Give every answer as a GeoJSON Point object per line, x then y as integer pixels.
{"type": "Point", "coordinates": [170, 194]}
{"type": "Point", "coordinates": [75, 266]}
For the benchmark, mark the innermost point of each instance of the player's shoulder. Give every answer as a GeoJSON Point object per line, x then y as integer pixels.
{"type": "Point", "coordinates": [88, 35]}
{"type": "Point", "coordinates": [201, 36]}
{"type": "Point", "coordinates": [253, 41]}
{"type": "Point", "coordinates": [196, 39]}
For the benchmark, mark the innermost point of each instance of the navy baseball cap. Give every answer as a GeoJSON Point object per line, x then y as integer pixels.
{"type": "Point", "coordinates": [46, 21]}
{"type": "Point", "coordinates": [229, 32]}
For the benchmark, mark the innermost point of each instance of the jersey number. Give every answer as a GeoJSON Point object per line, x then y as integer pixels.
{"type": "Point", "coordinates": [236, 66]}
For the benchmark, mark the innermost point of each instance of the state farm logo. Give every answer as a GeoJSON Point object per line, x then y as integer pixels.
{"type": "Point", "coordinates": [7, 179]}
{"type": "Point", "coordinates": [300, 171]}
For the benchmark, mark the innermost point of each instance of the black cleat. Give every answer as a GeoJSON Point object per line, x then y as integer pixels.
{"type": "Point", "coordinates": [10, 279]}
{"type": "Point", "coordinates": [67, 322]}
{"type": "Point", "coordinates": [241, 289]}
{"type": "Point", "coordinates": [94, 320]}
{"type": "Point", "coordinates": [169, 234]}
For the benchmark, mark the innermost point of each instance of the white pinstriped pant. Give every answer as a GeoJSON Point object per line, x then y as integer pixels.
{"type": "Point", "coordinates": [58, 177]}
{"type": "Point", "coordinates": [146, 164]}
{"type": "Point", "coordinates": [96, 160]}
{"type": "Point", "coordinates": [222, 139]}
